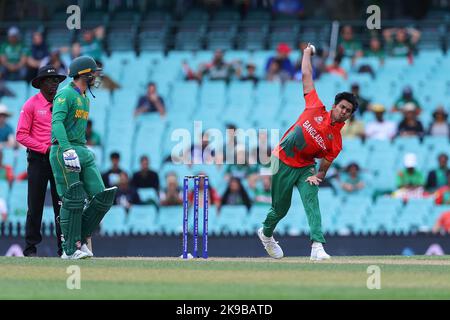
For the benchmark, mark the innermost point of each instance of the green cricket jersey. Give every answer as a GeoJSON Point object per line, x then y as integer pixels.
{"type": "Point", "coordinates": [70, 117]}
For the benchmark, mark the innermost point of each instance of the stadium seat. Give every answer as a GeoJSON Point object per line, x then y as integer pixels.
{"type": "Point", "coordinates": [233, 220]}
{"type": "Point", "coordinates": [141, 220]}
{"type": "Point", "coordinates": [114, 222]}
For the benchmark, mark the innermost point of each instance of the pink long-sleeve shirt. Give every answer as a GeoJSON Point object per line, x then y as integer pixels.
{"type": "Point", "coordinates": [35, 124]}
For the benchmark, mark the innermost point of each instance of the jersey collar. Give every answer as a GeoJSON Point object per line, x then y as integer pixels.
{"type": "Point", "coordinates": [76, 89]}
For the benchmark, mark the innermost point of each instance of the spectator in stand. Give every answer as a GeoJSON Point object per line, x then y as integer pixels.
{"type": "Point", "coordinates": [151, 102]}
{"type": "Point", "coordinates": [410, 126]}
{"type": "Point", "coordinates": [375, 50]}
{"type": "Point", "coordinates": [401, 42]}
{"type": "Point", "coordinates": [7, 138]}
{"type": "Point", "coordinates": [6, 171]}
{"type": "Point", "coordinates": [380, 129]}
{"type": "Point", "coordinates": [336, 68]}
{"type": "Point", "coordinates": [39, 51]}
{"type": "Point", "coordinates": [75, 50]}
{"type": "Point", "coordinates": [13, 57]}
{"type": "Point", "coordinates": [274, 73]}
{"type": "Point", "coordinates": [188, 73]}
{"type": "Point", "coordinates": [112, 176]}
{"type": "Point", "coordinates": [241, 169]}
{"type": "Point", "coordinates": [92, 43]}
{"type": "Point", "coordinates": [263, 192]}
{"type": "Point", "coordinates": [92, 137]}
{"type": "Point", "coordinates": [217, 69]}
{"type": "Point", "coordinates": [349, 46]}
{"type": "Point", "coordinates": [439, 126]}
{"type": "Point", "coordinates": [438, 177]}
{"type": "Point", "coordinates": [443, 223]}
{"type": "Point", "coordinates": [261, 154]}
{"type": "Point", "coordinates": [351, 180]}
{"type": "Point", "coordinates": [251, 74]}
{"type": "Point", "coordinates": [410, 181]}
{"type": "Point", "coordinates": [443, 193]}
{"type": "Point", "coordinates": [3, 210]}
{"type": "Point", "coordinates": [172, 194]}
{"type": "Point", "coordinates": [126, 194]}
{"type": "Point", "coordinates": [353, 128]}
{"type": "Point", "coordinates": [230, 144]}
{"type": "Point", "coordinates": [213, 195]}
{"type": "Point", "coordinates": [54, 59]}
{"type": "Point", "coordinates": [4, 90]}
{"type": "Point", "coordinates": [363, 103]}
{"type": "Point", "coordinates": [288, 7]}
{"type": "Point", "coordinates": [145, 177]}
{"type": "Point", "coordinates": [203, 153]}
{"type": "Point", "coordinates": [235, 194]}
{"type": "Point", "coordinates": [407, 96]}
{"type": "Point", "coordinates": [284, 65]}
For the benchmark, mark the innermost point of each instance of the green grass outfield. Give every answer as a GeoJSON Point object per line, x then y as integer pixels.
{"type": "Point", "coordinates": [417, 277]}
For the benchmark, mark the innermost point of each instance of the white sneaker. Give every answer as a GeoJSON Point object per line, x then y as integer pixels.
{"type": "Point", "coordinates": [271, 246]}
{"type": "Point", "coordinates": [75, 256]}
{"type": "Point", "coordinates": [84, 248]}
{"type": "Point", "coordinates": [318, 252]}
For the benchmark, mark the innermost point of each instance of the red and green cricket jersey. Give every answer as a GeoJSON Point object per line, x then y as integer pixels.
{"type": "Point", "coordinates": [311, 137]}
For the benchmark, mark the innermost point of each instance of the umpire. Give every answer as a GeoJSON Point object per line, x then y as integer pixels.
{"type": "Point", "coordinates": [34, 132]}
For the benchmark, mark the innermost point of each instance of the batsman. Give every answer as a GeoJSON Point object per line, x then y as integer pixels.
{"type": "Point", "coordinates": [85, 201]}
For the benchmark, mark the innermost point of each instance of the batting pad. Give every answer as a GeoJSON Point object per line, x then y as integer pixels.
{"type": "Point", "coordinates": [95, 210]}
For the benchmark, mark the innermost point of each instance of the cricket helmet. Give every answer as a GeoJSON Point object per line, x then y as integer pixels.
{"type": "Point", "coordinates": [82, 65]}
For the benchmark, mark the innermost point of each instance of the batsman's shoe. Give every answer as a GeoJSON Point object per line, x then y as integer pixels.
{"type": "Point", "coordinates": [318, 252]}
{"type": "Point", "coordinates": [77, 255]}
{"type": "Point", "coordinates": [84, 248]}
{"type": "Point", "coordinates": [271, 246]}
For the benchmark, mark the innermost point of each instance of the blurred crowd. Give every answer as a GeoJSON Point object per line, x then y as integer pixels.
{"type": "Point", "coordinates": [394, 42]}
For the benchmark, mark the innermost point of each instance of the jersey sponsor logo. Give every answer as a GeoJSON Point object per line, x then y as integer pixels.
{"type": "Point", "coordinates": [314, 134]}
{"type": "Point", "coordinates": [318, 119]}
{"type": "Point", "coordinates": [81, 114]}
{"type": "Point", "coordinates": [79, 103]}
{"type": "Point", "coordinates": [42, 112]}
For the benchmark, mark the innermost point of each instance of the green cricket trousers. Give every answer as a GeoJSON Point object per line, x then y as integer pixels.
{"type": "Point", "coordinates": [284, 179]}
{"type": "Point", "coordinates": [89, 175]}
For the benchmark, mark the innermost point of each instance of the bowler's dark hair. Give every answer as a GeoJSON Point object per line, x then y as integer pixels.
{"type": "Point", "coordinates": [347, 96]}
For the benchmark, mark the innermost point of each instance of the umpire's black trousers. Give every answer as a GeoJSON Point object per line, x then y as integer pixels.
{"type": "Point", "coordinates": [39, 174]}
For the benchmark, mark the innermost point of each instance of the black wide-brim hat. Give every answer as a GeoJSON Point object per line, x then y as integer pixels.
{"type": "Point", "coordinates": [46, 72]}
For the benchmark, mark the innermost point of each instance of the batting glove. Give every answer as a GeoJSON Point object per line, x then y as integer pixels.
{"type": "Point", "coordinates": [71, 160]}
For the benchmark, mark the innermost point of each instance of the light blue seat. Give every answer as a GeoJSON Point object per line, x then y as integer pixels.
{"type": "Point", "coordinates": [350, 213]}
{"type": "Point", "coordinates": [257, 215]}
{"type": "Point", "coordinates": [114, 222]}
{"type": "Point", "coordinates": [213, 95]}
{"type": "Point", "coordinates": [170, 220]}
{"type": "Point", "coordinates": [232, 220]}
{"type": "Point", "coordinates": [148, 195]}
{"type": "Point", "coordinates": [416, 212]}
{"type": "Point", "coordinates": [48, 219]}
{"type": "Point", "coordinates": [4, 189]}
{"type": "Point", "coordinates": [141, 220]}
{"type": "Point", "coordinates": [294, 223]}
{"type": "Point", "coordinates": [380, 219]}
{"type": "Point", "coordinates": [18, 198]}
